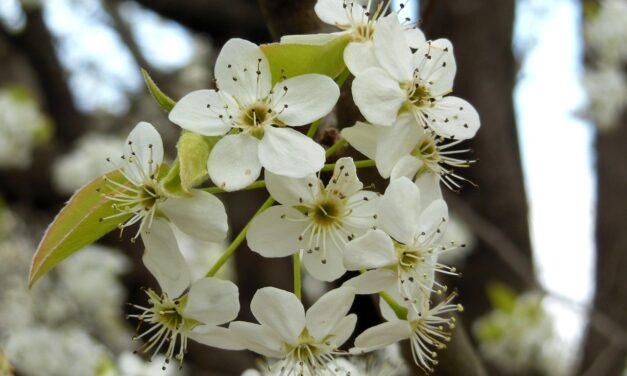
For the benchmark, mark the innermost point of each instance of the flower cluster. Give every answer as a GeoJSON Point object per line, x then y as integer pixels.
{"type": "Point", "coordinates": [604, 80]}
{"type": "Point", "coordinates": [390, 243]}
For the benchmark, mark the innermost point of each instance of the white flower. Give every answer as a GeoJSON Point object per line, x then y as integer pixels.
{"type": "Point", "coordinates": [201, 215]}
{"type": "Point", "coordinates": [85, 162]}
{"type": "Point", "coordinates": [44, 351]}
{"type": "Point", "coordinates": [606, 34]}
{"type": "Point", "coordinates": [404, 149]}
{"type": "Point", "coordinates": [314, 218]}
{"type": "Point", "coordinates": [358, 20]}
{"type": "Point", "coordinates": [402, 252]}
{"type": "Point", "coordinates": [425, 330]}
{"type": "Point", "coordinates": [303, 343]}
{"type": "Point", "coordinates": [607, 96]}
{"type": "Point", "coordinates": [185, 308]}
{"type": "Point", "coordinates": [413, 82]}
{"type": "Point", "coordinates": [253, 115]}
{"type": "Point", "coordinates": [22, 128]}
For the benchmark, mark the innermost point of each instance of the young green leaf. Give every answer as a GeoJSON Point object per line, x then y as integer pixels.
{"type": "Point", "coordinates": [289, 60]}
{"type": "Point", "coordinates": [162, 99]}
{"type": "Point", "coordinates": [80, 223]}
{"type": "Point", "coordinates": [193, 153]}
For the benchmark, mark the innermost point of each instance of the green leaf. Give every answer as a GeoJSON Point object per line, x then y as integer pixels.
{"type": "Point", "coordinates": [502, 297]}
{"type": "Point", "coordinates": [289, 60]}
{"type": "Point", "coordinates": [193, 153]}
{"type": "Point", "coordinates": [162, 99]}
{"type": "Point", "coordinates": [172, 181]}
{"type": "Point", "coordinates": [78, 224]}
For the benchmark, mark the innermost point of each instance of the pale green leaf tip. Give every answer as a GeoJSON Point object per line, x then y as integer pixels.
{"type": "Point", "coordinates": [160, 97]}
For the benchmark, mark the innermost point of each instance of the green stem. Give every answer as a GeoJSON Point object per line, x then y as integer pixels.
{"type": "Point", "coordinates": [358, 164]}
{"type": "Point", "coordinates": [297, 277]}
{"type": "Point", "coordinates": [342, 77]}
{"type": "Point", "coordinates": [237, 241]}
{"type": "Point", "coordinates": [255, 185]}
{"type": "Point", "coordinates": [399, 310]}
{"type": "Point", "coordinates": [313, 128]}
{"type": "Point", "coordinates": [335, 147]}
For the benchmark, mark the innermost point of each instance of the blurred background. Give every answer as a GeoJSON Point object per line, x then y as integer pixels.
{"type": "Point", "coordinates": [544, 276]}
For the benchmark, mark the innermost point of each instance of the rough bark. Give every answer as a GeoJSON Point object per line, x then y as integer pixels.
{"type": "Point", "coordinates": [603, 355]}
{"type": "Point", "coordinates": [481, 33]}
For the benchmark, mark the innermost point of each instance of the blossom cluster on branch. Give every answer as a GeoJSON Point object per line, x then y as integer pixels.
{"type": "Point", "coordinates": [252, 122]}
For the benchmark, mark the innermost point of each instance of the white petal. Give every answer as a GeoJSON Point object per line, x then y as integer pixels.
{"type": "Point", "coordinates": [326, 313]}
{"type": "Point", "coordinates": [386, 311]}
{"type": "Point", "coordinates": [277, 232]}
{"type": "Point", "coordinates": [414, 37]}
{"type": "Point", "coordinates": [237, 70]}
{"type": "Point", "coordinates": [396, 142]}
{"type": "Point", "coordinates": [205, 112]}
{"type": "Point", "coordinates": [344, 180]}
{"type": "Point", "coordinates": [378, 96]}
{"type": "Point", "coordinates": [303, 99]}
{"type": "Point", "coordinates": [164, 260]}
{"type": "Point", "coordinates": [332, 12]}
{"type": "Point", "coordinates": [408, 166]}
{"type": "Point", "coordinates": [285, 151]}
{"type": "Point", "coordinates": [324, 264]}
{"type": "Point", "coordinates": [364, 207]}
{"type": "Point", "coordinates": [436, 65]}
{"type": "Point", "coordinates": [399, 209]}
{"type": "Point", "coordinates": [212, 301]}
{"type": "Point", "coordinates": [202, 215]}
{"type": "Point", "coordinates": [363, 137]}
{"type": "Point", "coordinates": [292, 191]}
{"type": "Point", "coordinates": [257, 338]}
{"type": "Point", "coordinates": [391, 48]}
{"type": "Point", "coordinates": [373, 281]}
{"type": "Point", "coordinates": [234, 162]}
{"type": "Point", "coordinates": [143, 153]}
{"type": "Point", "coordinates": [429, 185]}
{"type": "Point", "coordinates": [343, 331]}
{"type": "Point", "coordinates": [216, 336]}
{"type": "Point", "coordinates": [433, 218]}
{"type": "Point", "coordinates": [360, 56]}
{"type": "Point", "coordinates": [281, 311]}
{"type": "Point", "coordinates": [382, 335]}
{"type": "Point", "coordinates": [311, 39]}
{"type": "Point", "coordinates": [373, 250]}
{"type": "Point", "coordinates": [453, 117]}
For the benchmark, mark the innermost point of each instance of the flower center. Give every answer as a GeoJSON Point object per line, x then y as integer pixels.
{"type": "Point", "coordinates": [427, 150]}
{"type": "Point", "coordinates": [418, 94]}
{"type": "Point", "coordinates": [166, 322]}
{"type": "Point", "coordinates": [327, 211]}
{"type": "Point", "coordinates": [363, 32]}
{"type": "Point", "coordinates": [256, 115]}
{"type": "Point", "coordinates": [409, 257]}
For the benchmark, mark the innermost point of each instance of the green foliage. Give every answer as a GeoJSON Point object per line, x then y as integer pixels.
{"type": "Point", "coordinates": [162, 99]}
{"type": "Point", "coordinates": [193, 153]}
{"type": "Point", "coordinates": [289, 60]}
{"type": "Point", "coordinates": [502, 297]}
{"type": "Point", "coordinates": [78, 224]}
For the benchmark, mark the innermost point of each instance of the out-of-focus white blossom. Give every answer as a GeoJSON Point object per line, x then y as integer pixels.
{"type": "Point", "coordinates": [607, 96]}
{"type": "Point", "coordinates": [85, 162]}
{"type": "Point", "coordinates": [44, 351]}
{"type": "Point", "coordinates": [22, 128]}
{"type": "Point", "coordinates": [518, 335]}
{"type": "Point", "coordinates": [606, 33]}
